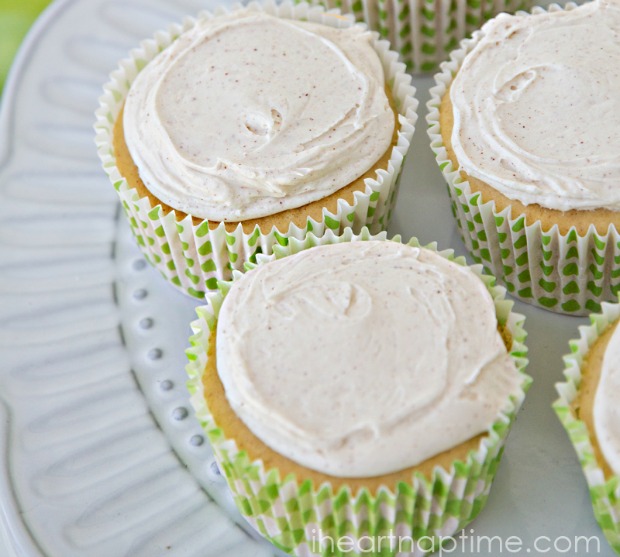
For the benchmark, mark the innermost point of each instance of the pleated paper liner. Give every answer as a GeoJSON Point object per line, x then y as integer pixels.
{"type": "Point", "coordinates": [296, 515]}
{"type": "Point", "coordinates": [194, 257]}
{"type": "Point", "coordinates": [424, 32]}
{"type": "Point", "coordinates": [566, 273]}
{"type": "Point", "coordinates": [605, 494]}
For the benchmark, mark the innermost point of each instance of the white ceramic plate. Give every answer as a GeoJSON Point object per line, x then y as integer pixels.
{"type": "Point", "coordinates": [101, 456]}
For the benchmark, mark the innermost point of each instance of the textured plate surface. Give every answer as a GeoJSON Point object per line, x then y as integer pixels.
{"type": "Point", "coordinates": [101, 456]}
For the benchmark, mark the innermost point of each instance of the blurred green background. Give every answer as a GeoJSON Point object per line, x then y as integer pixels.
{"type": "Point", "coordinates": [16, 17]}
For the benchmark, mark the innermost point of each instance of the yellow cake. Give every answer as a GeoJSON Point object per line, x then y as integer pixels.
{"type": "Point", "coordinates": [281, 221]}
{"type": "Point", "coordinates": [581, 220]}
{"type": "Point", "coordinates": [587, 407]}
{"type": "Point", "coordinates": [322, 385]}
{"type": "Point", "coordinates": [583, 403]}
{"type": "Point", "coordinates": [525, 134]}
{"type": "Point", "coordinates": [238, 131]}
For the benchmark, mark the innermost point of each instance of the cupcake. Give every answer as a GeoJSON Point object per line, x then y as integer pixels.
{"type": "Point", "coordinates": [587, 407]}
{"type": "Point", "coordinates": [425, 32]}
{"type": "Point", "coordinates": [525, 133]}
{"type": "Point", "coordinates": [335, 411]}
{"type": "Point", "coordinates": [237, 131]}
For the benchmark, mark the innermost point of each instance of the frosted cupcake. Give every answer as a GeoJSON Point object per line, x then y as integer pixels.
{"type": "Point", "coordinates": [525, 133]}
{"type": "Point", "coordinates": [238, 131]}
{"type": "Point", "coordinates": [425, 32]}
{"type": "Point", "coordinates": [588, 409]}
{"type": "Point", "coordinates": [333, 406]}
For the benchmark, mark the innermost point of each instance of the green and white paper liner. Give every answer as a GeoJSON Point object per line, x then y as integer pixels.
{"type": "Point", "coordinates": [294, 514]}
{"type": "Point", "coordinates": [193, 257]}
{"type": "Point", "coordinates": [566, 273]}
{"type": "Point", "coordinates": [424, 32]}
{"type": "Point", "coordinates": [605, 494]}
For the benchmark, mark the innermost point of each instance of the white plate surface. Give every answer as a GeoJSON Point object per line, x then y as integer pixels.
{"type": "Point", "coordinates": [101, 456]}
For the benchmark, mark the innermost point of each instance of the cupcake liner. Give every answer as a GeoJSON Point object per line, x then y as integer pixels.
{"type": "Point", "coordinates": [296, 515]}
{"type": "Point", "coordinates": [605, 494]}
{"type": "Point", "coordinates": [424, 31]}
{"type": "Point", "coordinates": [194, 257]}
{"type": "Point", "coordinates": [566, 273]}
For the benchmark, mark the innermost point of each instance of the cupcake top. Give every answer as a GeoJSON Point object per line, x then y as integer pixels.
{"type": "Point", "coordinates": [537, 110]}
{"type": "Point", "coordinates": [246, 115]}
{"type": "Point", "coordinates": [606, 411]}
{"type": "Point", "coordinates": [361, 359]}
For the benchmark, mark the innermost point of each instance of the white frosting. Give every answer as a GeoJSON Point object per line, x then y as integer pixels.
{"type": "Point", "coordinates": [246, 115]}
{"type": "Point", "coordinates": [606, 407]}
{"type": "Point", "coordinates": [537, 109]}
{"type": "Point", "coordinates": [360, 359]}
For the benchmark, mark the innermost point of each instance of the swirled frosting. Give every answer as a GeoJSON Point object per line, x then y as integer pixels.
{"type": "Point", "coordinates": [606, 411]}
{"type": "Point", "coordinates": [537, 109]}
{"type": "Point", "coordinates": [359, 359]}
{"type": "Point", "coordinates": [246, 115]}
